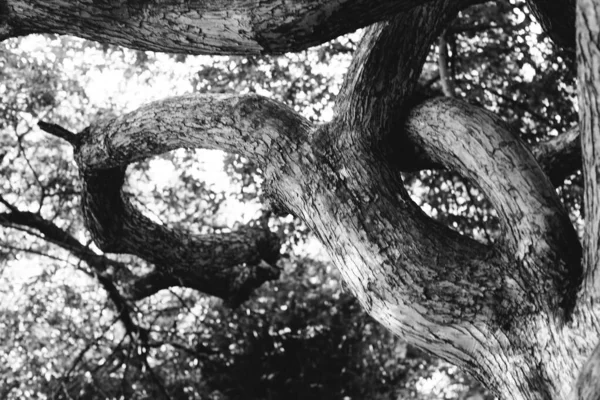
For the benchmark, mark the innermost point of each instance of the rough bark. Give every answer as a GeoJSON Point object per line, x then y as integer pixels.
{"type": "Point", "coordinates": [559, 157]}
{"type": "Point", "coordinates": [199, 27]}
{"type": "Point", "coordinates": [536, 228]}
{"type": "Point", "coordinates": [226, 265]}
{"type": "Point", "coordinates": [447, 294]}
{"type": "Point", "coordinates": [588, 383]}
{"type": "Point", "coordinates": [588, 74]}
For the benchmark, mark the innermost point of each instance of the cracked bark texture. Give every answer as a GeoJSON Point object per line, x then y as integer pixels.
{"type": "Point", "coordinates": [198, 27]}
{"type": "Point", "coordinates": [226, 265]}
{"type": "Point", "coordinates": [513, 314]}
{"type": "Point", "coordinates": [588, 74]}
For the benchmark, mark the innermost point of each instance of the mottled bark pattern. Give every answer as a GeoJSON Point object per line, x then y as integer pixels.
{"type": "Point", "coordinates": [588, 71]}
{"type": "Point", "coordinates": [536, 228]}
{"type": "Point", "coordinates": [198, 27]}
{"type": "Point", "coordinates": [588, 383]}
{"type": "Point", "coordinates": [227, 265]}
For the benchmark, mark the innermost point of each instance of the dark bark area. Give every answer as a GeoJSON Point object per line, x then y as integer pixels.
{"type": "Point", "coordinates": [559, 157]}
{"type": "Point", "coordinates": [227, 265]}
{"type": "Point", "coordinates": [536, 228]}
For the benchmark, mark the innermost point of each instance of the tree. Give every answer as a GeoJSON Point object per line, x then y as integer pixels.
{"type": "Point", "coordinates": [519, 314]}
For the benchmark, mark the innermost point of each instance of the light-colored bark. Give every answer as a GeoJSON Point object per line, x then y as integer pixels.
{"type": "Point", "coordinates": [199, 27]}
{"type": "Point", "coordinates": [380, 83]}
{"type": "Point", "coordinates": [588, 73]}
{"type": "Point", "coordinates": [248, 125]}
{"type": "Point", "coordinates": [536, 228]}
{"type": "Point", "coordinates": [446, 78]}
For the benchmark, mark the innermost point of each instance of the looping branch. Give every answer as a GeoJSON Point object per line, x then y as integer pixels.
{"type": "Point", "coordinates": [380, 81]}
{"type": "Point", "coordinates": [226, 265]}
{"type": "Point", "coordinates": [249, 125]}
{"type": "Point", "coordinates": [213, 264]}
{"type": "Point", "coordinates": [537, 230]}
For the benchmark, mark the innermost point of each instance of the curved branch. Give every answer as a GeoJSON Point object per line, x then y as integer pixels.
{"type": "Point", "coordinates": [588, 77]}
{"type": "Point", "coordinates": [227, 265]}
{"type": "Point", "coordinates": [199, 27]}
{"type": "Point", "coordinates": [386, 67]}
{"type": "Point", "coordinates": [249, 125]}
{"type": "Point", "coordinates": [536, 228]}
{"type": "Point", "coordinates": [558, 157]}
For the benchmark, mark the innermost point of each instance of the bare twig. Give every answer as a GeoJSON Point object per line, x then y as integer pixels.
{"type": "Point", "coordinates": [445, 76]}
{"type": "Point", "coordinates": [60, 132]}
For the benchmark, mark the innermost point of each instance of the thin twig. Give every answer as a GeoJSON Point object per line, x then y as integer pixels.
{"type": "Point", "coordinates": [60, 132]}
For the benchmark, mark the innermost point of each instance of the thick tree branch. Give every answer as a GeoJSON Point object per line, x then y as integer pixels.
{"type": "Point", "coordinates": [302, 173]}
{"type": "Point", "coordinates": [199, 27]}
{"type": "Point", "coordinates": [227, 265]}
{"type": "Point", "coordinates": [588, 74]}
{"type": "Point", "coordinates": [588, 382]}
{"type": "Point", "coordinates": [380, 81]}
{"type": "Point", "coordinates": [537, 230]}
{"type": "Point", "coordinates": [558, 157]}
{"type": "Point", "coordinates": [248, 125]}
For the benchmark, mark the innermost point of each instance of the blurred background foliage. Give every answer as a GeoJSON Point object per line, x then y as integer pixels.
{"type": "Point", "coordinates": [299, 337]}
